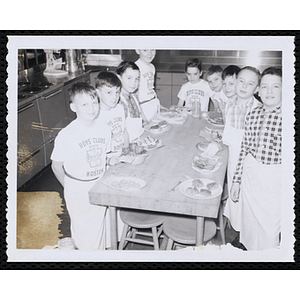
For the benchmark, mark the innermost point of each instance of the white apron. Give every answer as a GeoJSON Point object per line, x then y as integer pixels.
{"type": "Point", "coordinates": [134, 128]}
{"type": "Point", "coordinates": [151, 108]}
{"type": "Point", "coordinates": [261, 195]}
{"type": "Point", "coordinates": [232, 137]}
{"type": "Point", "coordinates": [89, 223]}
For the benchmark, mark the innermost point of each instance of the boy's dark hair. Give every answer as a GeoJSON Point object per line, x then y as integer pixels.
{"type": "Point", "coordinates": [214, 69]}
{"type": "Point", "coordinates": [124, 65]}
{"type": "Point", "coordinates": [230, 71]}
{"type": "Point", "coordinates": [106, 78]}
{"type": "Point", "coordinates": [272, 71]}
{"type": "Point", "coordinates": [193, 63]}
{"type": "Point", "coordinates": [253, 69]}
{"type": "Point", "coordinates": [83, 88]}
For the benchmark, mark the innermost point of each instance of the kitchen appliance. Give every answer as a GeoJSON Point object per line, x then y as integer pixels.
{"type": "Point", "coordinates": [74, 61]}
{"type": "Point", "coordinates": [54, 65]}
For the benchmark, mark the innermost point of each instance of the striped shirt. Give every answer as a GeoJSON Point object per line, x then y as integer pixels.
{"type": "Point", "coordinates": [236, 114]}
{"type": "Point", "coordinates": [262, 138]}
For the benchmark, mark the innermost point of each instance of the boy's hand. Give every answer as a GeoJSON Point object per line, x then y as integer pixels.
{"type": "Point", "coordinates": [235, 191]}
{"type": "Point", "coordinates": [114, 160]}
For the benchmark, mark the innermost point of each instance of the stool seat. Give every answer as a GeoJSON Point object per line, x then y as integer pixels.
{"type": "Point", "coordinates": [140, 219]}
{"type": "Point", "coordinates": [136, 219]}
{"type": "Point", "coordinates": [182, 229]}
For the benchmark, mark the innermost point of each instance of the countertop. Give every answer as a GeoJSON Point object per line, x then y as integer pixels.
{"type": "Point", "coordinates": [44, 84]}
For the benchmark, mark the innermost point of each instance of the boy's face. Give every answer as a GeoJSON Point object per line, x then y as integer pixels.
{"type": "Point", "coordinates": [146, 55]}
{"type": "Point", "coordinates": [109, 96]}
{"type": "Point", "coordinates": [130, 80]}
{"type": "Point", "coordinates": [215, 81]}
{"type": "Point", "coordinates": [193, 74]}
{"type": "Point", "coordinates": [246, 84]}
{"type": "Point", "coordinates": [85, 107]}
{"type": "Point", "coordinates": [229, 84]}
{"type": "Point", "coordinates": [270, 91]}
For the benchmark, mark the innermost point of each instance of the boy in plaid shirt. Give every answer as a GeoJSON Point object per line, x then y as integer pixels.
{"type": "Point", "coordinates": [257, 180]}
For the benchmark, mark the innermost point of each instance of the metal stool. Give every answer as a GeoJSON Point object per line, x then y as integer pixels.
{"type": "Point", "coordinates": [182, 230]}
{"type": "Point", "coordinates": [135, 219]}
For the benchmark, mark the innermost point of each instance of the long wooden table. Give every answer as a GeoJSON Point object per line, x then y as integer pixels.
{"type": "Point", "coordinates": [162, 170]}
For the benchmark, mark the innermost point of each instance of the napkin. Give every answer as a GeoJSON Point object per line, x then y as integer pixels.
{"type": "Point", "coordinates": [212, 150]}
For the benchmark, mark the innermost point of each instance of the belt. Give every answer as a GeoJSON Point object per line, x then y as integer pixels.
{"type": "Point", "coordinates": [84, 180]}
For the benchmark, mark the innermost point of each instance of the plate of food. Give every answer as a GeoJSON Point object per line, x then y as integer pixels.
{"type": "Point", "coordinates": [158, 127]}
{"type": "Point", "coordinates": [205, 165]}
{"type": "Point", "coordinates": [150, 143]}
{"type": "Point", "coordinates": [215, 118]}
{"type": "Point", "coordinates": [172, 117]}
{"type": "Point", "coordinates": [125, 183]}
{"type": "Point", "coordinates": [134, 155]}
{"type": "Point", "coordinates": [200, 188]}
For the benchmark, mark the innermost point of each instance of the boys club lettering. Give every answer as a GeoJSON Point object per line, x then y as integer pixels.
{"type": "Point", "coordinates": [93, 148]}
{"type": "Point", "coordinates": [117, 131]}
{"type": "Point", "coordinates": [195, 92]}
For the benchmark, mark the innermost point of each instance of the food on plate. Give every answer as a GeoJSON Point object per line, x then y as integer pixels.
{"type": "Point", "coordinates": [216, 118]}
{"type": "Point", "coordinates": [205, 163]}
{"type": "Point", "coordinates": [205, 192]}
{"type": "Point", "coordinates": [160, 126]}
{"type": "Point", "coordinates": [125, 184]}
{"type": "Point", "coordinates": [213, 186]}
{"type": "Point", "coordinates": [149, 142]}
{"type": "Point", "coordinates": [216, 135]}
{"type": "Point", "coordinates": [139, 149]}
{"type": "Point", "coordinates": [192, 191]}
{"type": "Point", "coordinates": [197, 183]}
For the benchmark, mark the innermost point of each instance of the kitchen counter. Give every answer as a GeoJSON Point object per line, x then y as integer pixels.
{"type": "Point", "coordinates": [38, 84]}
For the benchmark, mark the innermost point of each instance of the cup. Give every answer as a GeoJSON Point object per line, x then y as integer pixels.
{"type": "Point", "coordinates": [66, 244]}
{"type": "Point", "coordinates": [196, 109]}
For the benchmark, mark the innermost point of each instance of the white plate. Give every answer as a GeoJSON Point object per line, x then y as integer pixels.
{"type": "Point", "coordinates": [206, 171]}
{"type": "Point", "coordinates": [157, 131]}
{"type": "Point", "coordinates": [125, 183]}
{"type": "Point", "coordinates": [188, 183]}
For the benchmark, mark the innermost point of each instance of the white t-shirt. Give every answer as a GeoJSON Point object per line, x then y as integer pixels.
{"type": "Point", "coordinates": [82, 149]}
{"type": "Point", "coordinates": [146, 87]}
{"type": "Point", "coordinates": [115, 119]}
{"type": "Point", "coordinates": [199, 91]}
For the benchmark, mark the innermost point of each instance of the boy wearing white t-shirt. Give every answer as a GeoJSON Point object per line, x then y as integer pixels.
{"type": "Point", "coordinates": [196, 89]}
{"type": "Point", "coordinates": [149, 102]}
{"type": "Point", "coordinates": [108, 86]}
{"type": "Point", "coordinates": [78, 161]}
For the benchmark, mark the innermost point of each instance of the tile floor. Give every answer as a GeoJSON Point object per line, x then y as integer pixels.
{"type": "Point", "coordinates": [46, 181]}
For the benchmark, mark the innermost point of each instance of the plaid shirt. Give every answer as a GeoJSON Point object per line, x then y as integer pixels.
{"type": "Point", "coordinates": [262, 138]}
{"type": "Point", "coordinates": [236, 115]}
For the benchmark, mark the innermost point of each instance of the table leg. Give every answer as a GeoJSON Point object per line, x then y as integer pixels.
{"type": "Point", "coordinates": [200, 231]}
{"type": "Point", "coordinates": [113, 228]}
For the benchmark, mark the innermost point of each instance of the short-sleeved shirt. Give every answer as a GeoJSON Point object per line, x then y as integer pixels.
{"type": "Point", "coordinates": [199, 91]}
{"type": "Point", "coordinates": [82, 149]}
{"type": "Point", "coordinates": [146, 88]}
{"type": "Point", "coordinates": [115, 119]}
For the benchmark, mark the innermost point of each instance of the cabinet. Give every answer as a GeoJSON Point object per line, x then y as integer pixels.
{"type": "Point", "coordinates": [168, 86]}
{"type": "Point", "coordinates": [31, 156]}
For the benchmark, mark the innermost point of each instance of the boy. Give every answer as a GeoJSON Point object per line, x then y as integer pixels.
{"type": "Point", "coordinates": [235, 113]}
{"type": "Point", "coordinates": [257, 180]}
{"type": "Point", "coordinates": [196, 89]}
{"type": "Point", "coordinates": [78, 161]}
{"type": "Point", "coordinates": [108, 87]}
{"type": "Point", "coordinates": [229, 75]}
{"type": "Point", "coordinates": [214, 79]}
{"type": "Point", "coordinates": [149, 102]}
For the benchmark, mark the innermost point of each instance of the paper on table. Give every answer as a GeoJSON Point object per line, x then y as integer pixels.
{"type": "Point", "coordinates": [211, 150]}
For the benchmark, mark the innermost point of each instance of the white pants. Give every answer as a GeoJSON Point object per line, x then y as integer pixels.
{"type": "Point", "coordinates": [88, 222]}
{"type": "Point", "coordinates": [260, 195]}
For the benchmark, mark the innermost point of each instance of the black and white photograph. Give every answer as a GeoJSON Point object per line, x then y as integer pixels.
{"type": "Point", "coordinates": [150, 148]}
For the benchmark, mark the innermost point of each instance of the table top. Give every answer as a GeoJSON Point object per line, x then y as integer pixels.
{"type": "Point", "coordinates": [162, 170]}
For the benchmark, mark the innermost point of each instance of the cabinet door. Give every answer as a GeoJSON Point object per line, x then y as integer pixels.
{"type": "Point", "coordinates": [164, 94]}
{"type": "Point", "coordinates": [163, 78]}
{"type": "Point", "coordinates": [30, 165]}
{"type": "Point", "coordinates": [175, 91]}
{"type": "Point", "coordinates": [48, 151]}
{"type": "Point", "coordinates": [178, 78]}
{"type": "Point", "coordinates": [54, 115]}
